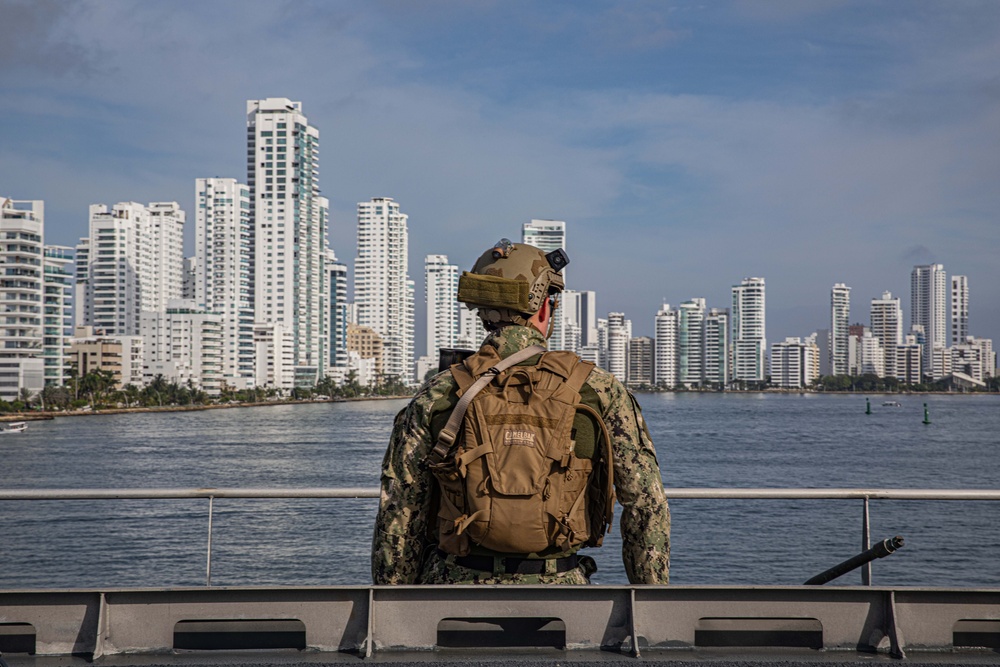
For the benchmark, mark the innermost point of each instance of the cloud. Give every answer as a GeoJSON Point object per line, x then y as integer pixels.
{"type": "Point", "coordinates": [38, 37]}
{"type": "Point", "coordinates": [668, 194]}
{"type": "Point", "coordinates": [917, 254]}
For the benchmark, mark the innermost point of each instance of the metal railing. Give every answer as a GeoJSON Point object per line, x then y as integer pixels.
{"type": "Point", "coordinates": [211, 494]}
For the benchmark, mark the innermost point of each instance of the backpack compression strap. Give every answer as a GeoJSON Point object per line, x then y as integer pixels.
{"type": "Point", "coordinates": [446, 438]}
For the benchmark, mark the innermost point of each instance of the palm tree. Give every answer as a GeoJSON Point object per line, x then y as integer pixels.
{"type": "Point", "coordinates": [131, 394]}
{"type": "Point", "coordinates": [25, 395]}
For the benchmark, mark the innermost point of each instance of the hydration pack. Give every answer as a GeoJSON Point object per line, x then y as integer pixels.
{"type": "Point", "coordinates": [509, 474]}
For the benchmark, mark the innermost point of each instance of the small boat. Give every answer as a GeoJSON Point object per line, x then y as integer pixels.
{"type": "Point", "coordinates": [891, 404]}
{"type": "Point", "coordinates": [14, 427]}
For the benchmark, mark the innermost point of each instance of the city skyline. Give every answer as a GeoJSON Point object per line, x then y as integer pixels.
{"type": "Point", "coordinates": [820, 148]}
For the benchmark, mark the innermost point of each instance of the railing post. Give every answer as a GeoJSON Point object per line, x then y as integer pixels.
{"type": "Point", "coordinates": [208, 557]}
{"type": "Point", "coordinates": [866, 569]}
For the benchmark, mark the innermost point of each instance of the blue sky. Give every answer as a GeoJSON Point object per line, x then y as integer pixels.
{"type": "Point", "coordinates": [687, 145]}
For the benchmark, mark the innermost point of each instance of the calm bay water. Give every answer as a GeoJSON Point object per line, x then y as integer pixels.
{"type": "Point", "coordinates": [725, 440]}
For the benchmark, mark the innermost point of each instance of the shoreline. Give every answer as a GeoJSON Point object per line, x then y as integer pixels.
{"type": "Point", "coordinates": [39, 415]}
{"type": "Point", "coordinates": [47, 415]}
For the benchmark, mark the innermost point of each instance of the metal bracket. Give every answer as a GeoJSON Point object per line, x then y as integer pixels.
{"type": "Point", "coordinates": [891, 631]}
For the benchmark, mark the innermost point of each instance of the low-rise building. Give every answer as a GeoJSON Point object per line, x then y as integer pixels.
{"type": "Point", "coordinates": [184, 345]}
{"type": "Point", "coordinates": [793, 364]}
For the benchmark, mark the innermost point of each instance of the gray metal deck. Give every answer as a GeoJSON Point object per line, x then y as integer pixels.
{"type": "Point", "coordinates": [522, 623]}
{"type": "Point", "coordinates": [499, 625]}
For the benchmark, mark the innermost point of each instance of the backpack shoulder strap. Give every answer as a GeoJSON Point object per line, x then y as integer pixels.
{"type": "Point", "coordinates": [448, 434]}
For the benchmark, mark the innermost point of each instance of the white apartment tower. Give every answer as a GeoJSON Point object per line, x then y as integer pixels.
{"type": "Point", "coordinates": [338, 310]}
{"type": "Point", "coordinates": [441, 291]}
{"type": "Point", "coordinates": [57, 317]}
{"type": "Point", "coordinates": [581, 312]}
{"type": "Point", "coordinates": [546, 235]}
{"type": "Point", "coordinates": [81, 303]}
{"type": "Point", "coordinates": [619, 334]}
{"type": "Point", "coordinates": [470, 329]}
{"type": "Point", "coordinates": [840, 315]}
{"type": "Point", "coordinates": [887, 320]}
{"type": "Point", "coordinates": [887, 327]}
{"type": "Point", "coordinates": [715, 350]}
{"type": "Point", "coordinates": [749, 339]}
{"type": "Point", "coordinates": [794, 364]}
{"type": "Point", "coordinates": [959, 309]}
{"type": "Point", "coordinates": [136, 263]}
{"type": "Point", "coordinates": [22, 286]}
{"type": "Point", "coordinates": [690, 342]}
{"type": "Point", "coordinates": [383, 291]}
{"type": "Point", "coordinates": [222, 271]}
{"type": "Point", "coordinates": [165, 243]}
{"type": "Point", "coordinates": [665, 347]}
{"type": "Point", "coordinates": [929, 308]}
{"type": "Point", "coordinates": [290, 235]}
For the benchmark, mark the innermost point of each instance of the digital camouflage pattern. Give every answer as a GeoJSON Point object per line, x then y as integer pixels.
{"type": "Point", "coordinates": [404, 551]}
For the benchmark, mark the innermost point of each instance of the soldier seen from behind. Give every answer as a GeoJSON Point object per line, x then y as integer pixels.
{"type": "Point", "coordinates": [504, 466]}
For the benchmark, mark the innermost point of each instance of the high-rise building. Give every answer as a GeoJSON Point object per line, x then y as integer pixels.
{"type": "Point", "coordinates": [715, 350]}
{"type": "Point", "coordinates": [546, 235]}
{"type": "Point", "coordinates": [470, 328]}
{"type": "Point", "coordinates": [929, 308]}
{"type": "Point", "coordinates": [441, 291]}
{"type": "Point", "coordinates": [338, 310]}
{"type": "Point", "coordinates": [600, 351]}
{"type": "Point", "coordinates": [640, 361]}
{"type": "Point", "coordinates": [581, 307]}
{"type": "Point", "coordinates": [908, 364]}
{"type": "Point", "coordinates": [383, 292]}
{"type": "Point", "coordinates": [665, 357]}
{"type": "Point", "coordinates": [136, 263]}
{"type": "Point", "coordinates": [840, 313]}
{"type": "Point", "coordinates": [619, 333]}
{"type": "Point", "coordinates": [165, 243]}
{"type": "Point", "coordinates": [549, 235]}
{"type": "Point", "coordinates": [290, 235]}
{"type": "Point", "coordinates": [813, 372]}
{"type": "Point", "coordinates": [222, 271]}
{"type": "Point", "coordinates": [81, 303]}
{"type": "Point", "coordinates": [749, 327]}
{"type": "Point", "coordinates": [887, 327]}
{"type": "Point", "coordinates": [22, 229]}
{"type": "Point", "coordinates": [959, 309]}
{"type": "Point", "coordinates": [579, 319]}
{"type": "Point", "coordinates": [57, 314]}
{"type": "Point", "coordinates": [871, 354]}
{"type": "Point", "coordinates": [690, 342]}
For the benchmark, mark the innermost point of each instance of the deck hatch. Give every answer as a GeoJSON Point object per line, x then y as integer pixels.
{"type": "Point", "coordinates": [502, 632]}
{"type": "Point", "coordinates": [238, 635]}
{"type": "Point", "coordinates": [976, 634]}
{"type": "Point", "coordinates": [17, 638]}
{"type": "Point", "coordinates": [769, 632]}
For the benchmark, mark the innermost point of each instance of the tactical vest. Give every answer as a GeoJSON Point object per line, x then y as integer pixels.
{"type": "Point", "coordinates": [510, 480]}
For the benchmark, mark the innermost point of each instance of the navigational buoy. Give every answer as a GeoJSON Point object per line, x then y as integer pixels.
{"type": "Point", "coordinates": [927, 417]}
{"type": "Point", "coordinates": [868, 406]}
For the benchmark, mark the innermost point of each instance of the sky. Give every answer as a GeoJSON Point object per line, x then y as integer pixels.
{"type": "Point", "coordinates": [686, 144]}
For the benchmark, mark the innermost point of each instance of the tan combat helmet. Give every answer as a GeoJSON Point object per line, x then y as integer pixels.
{"type": "Point", "coordinates": [510, 281]}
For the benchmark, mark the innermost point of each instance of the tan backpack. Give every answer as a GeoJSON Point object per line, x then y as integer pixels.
{"type": "Point", "coordinates": [513, 482]}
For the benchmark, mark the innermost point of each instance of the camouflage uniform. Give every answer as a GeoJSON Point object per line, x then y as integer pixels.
{"type": "Point", "coordinates": [404, 550]}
